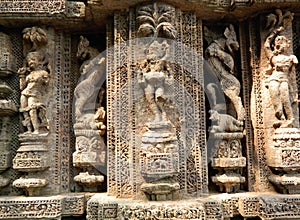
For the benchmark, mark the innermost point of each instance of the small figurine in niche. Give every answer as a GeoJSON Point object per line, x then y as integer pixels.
{"type": "Point", "coordinates": [281, 65]}
{"type": "Point", "coordinates": [219, 55]}
{"type": "Point", "coordinates": [225, 123]}
{"type": "Point", "coordinates": [34, 88]}
{"type": "Point", "coordinates": [155, 71]}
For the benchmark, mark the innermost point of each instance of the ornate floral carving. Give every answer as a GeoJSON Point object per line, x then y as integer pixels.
{"type": "Point", "coordinates": [156, 20]}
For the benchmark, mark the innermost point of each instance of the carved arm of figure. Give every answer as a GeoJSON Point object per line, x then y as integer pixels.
{"type": "Point", "coordinates": [267, 45]}
{"type": "Point", "coordinates": [22, 74]}
{"type": "Point", "coordinates": [141, 80]}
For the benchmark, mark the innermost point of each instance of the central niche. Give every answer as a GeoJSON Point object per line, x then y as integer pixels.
{"type": "Point", "coordinates": [156, 116]}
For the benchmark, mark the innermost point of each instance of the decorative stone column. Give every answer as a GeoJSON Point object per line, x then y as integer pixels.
{"type": "Point", "coordinates": [159, 162]}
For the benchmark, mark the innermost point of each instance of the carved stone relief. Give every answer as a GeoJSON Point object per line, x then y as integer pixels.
{"type": "Point", "coordinates": [150, 152]}
{"type": "Point", "coordinates": [226, 130]}
{"type": "Point", "coordinates": [90, 120]}
{"type": "Point", "coordinates": [186, 107]}
{"type": "Point", "coordinates": [281, 89]}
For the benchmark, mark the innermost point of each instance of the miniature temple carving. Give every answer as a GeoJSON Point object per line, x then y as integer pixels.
{"type": "Point", "coordinates": [226, 130]}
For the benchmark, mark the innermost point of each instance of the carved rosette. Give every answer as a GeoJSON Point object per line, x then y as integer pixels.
{"type": "Point", "coordinates": [283, 157]}
{"type": "Point", "coordinates": [228, 161]}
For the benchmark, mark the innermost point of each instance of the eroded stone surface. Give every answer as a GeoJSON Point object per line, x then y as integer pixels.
{"type": "Point", "coordinates": [173, 108]}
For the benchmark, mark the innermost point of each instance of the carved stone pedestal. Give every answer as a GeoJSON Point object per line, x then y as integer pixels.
{"type": "Point", "coordinates": [159, 161]}
{"type": "Point", "coordinates": [228, 161]}
{"type": "Point", "coordinates": [33, 158]}
{"type": "Point", "coordinates": [50, 207]}
{"type": "Point", "coordinates": [161, 191]}
{"type": "Point", "coordinates": [87, 157]}
{"type": "Point", "coordinates": [284, 160]}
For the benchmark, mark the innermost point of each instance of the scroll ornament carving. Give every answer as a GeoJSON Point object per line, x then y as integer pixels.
{"type": "Point", "coordinates": [226, 130]}
{"type": "Point", "coordinates": [89, 124]}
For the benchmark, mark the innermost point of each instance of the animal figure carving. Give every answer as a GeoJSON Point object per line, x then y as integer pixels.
{"type": "Point", "coordinates": [84, 92]}
{"type": "Point", "coordinates": [225, 123]}
{"type": "Point", "coordinates": [219, 55]}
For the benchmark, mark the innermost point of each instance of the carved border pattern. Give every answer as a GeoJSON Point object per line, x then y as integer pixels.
{"type": "Point", "coordinates": [138, 211]}
{"type": "Point", "coordinates": [110, 117]}
{"type": "Point", "coordinates": [27, 6]}
{"type": "Point", "coordinates": [65, 116]}
{"type": "Point", "coordinates": [189, 75]}
{"type": "Point", "coordinates": [30, 208]}
{"type": "Point", "coordinates": [120, 111]}
{"type": "Point", "coordinates": [262, 182]}
{"type": "Point", "coordinates": [246, 82]}
{"type": "Point", "coordinates": [132, 102]}
{"type": "Point", "coordinates": [60, 159]}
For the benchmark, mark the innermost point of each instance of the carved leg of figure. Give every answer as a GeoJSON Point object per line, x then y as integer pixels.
{"type": "Point", "coordinates": [285, 99]}
{"type": "Point", "coordinates": [211, 91]}
{"type": "Point", "coordinates": [237, 102]}
{"type": "Point", "coordinates": [150, 93]}
{"type": "Point", "coordinates": [160, 101]}
{"type": "Point", "coordinates": [23, 105]}
{"type": "Point", "coordinates": [27, 122]}
{"type": "Point", "coordinates": [275, 99]}
{"type": "Point", "coordinates": [34, 120]}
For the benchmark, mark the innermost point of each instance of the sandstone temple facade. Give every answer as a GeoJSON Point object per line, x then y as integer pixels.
{"type": "Point", "coordinates": [183, 109]}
